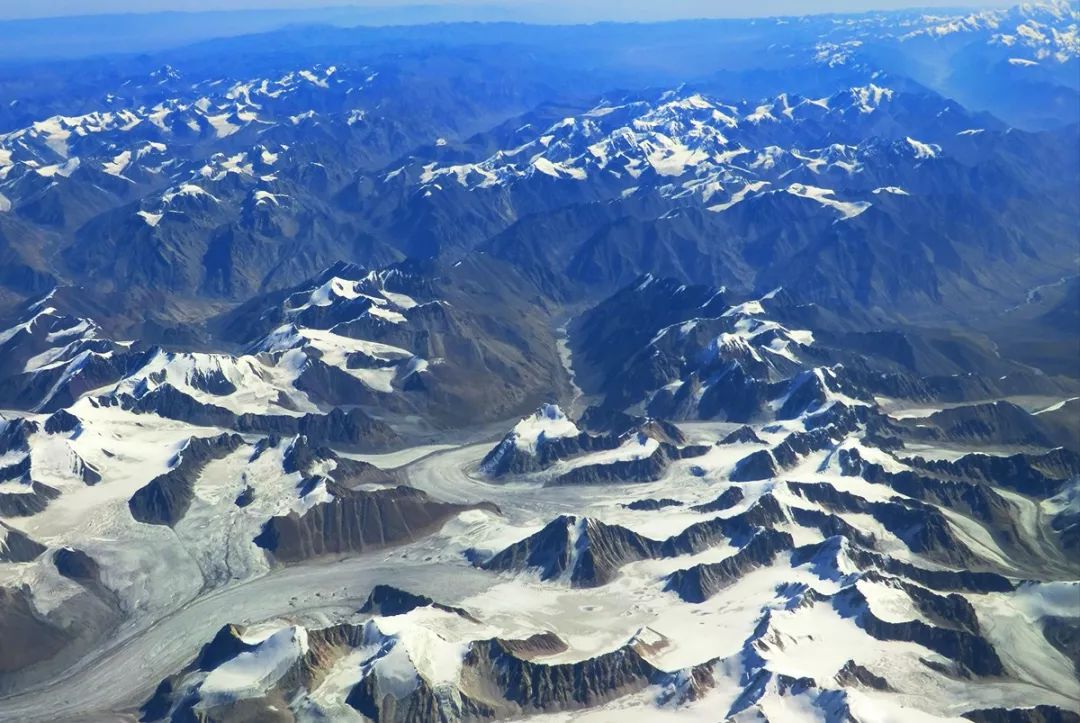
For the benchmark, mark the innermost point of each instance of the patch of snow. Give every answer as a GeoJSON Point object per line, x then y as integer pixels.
{"type": "Point", "coordinates": [923, 150]}
{"type": "Point", "coordinates": [548, 422]}
{"type": "Point", "coordinates": [151, 219]}
{"type": "Point", "coordinates": [824, 196]}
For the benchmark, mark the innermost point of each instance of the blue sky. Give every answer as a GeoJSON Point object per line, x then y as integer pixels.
{"type": "Point", "coordinates": [547, 10]}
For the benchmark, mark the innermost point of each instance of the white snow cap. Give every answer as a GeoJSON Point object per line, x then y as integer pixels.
{"type": "Point", "coordinates": [548, 422]}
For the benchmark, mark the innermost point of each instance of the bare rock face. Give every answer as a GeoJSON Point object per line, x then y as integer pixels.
{"type": "Point", "coordinates": [387, 601]}
{"type": "Point", "coordinates": [525, 686]}
{"type": "Point", "coordinates": [765, 464]}
{"type": "Point", "coordinates": [726, 500]}
{"type": "Point", "coordinates": [939, 580]}
{"type": "Point", "coordinates": [166, 499]}
{"type": "Point", "coordinates": [422, 705]}
{"type": "Point", "coordinates": [17, 546]}
{"type": "Point", "coordinates": [644, 469]}
{"type": "Point", "coordinates": [303, 455]}
{"type": "Point", "coordinates": [922, 527]}
{"type": "Point", "coordinates": [499, 678]}
{"type": "Point", "coordinates": [62, 421]}
{"type": "Point", "coordinates": [246, 497]}
{"type": "Point", "coordinates": [19, 471]}
{"type": "Point", "coordinates": [25, 638]}
{"type": "Point", "coordinates": [742, 435]}
{"type": "Point", "coordinates": [855, 675]}
{"type": "Point", "coordinates": [477, 316]}
{"type": "Point", "coordinates": [26, 504]}
{"type": "Point", "coordinates": [588, 553]}
{"type": "Point", "coordinates": [951, 488]}
{"type": "Point", "coordinates": [962, 644]}
{"type": "Point", "coordinates": [226, 645]}
{"type": "Point", "coordinates": [525, 450]}
{"type": "Point", "coordinates": [356, 521]}
{"type": "Point", "coordinates": [538, 442]}
{"type": "Point", "coordinates": [1064, 634]}
{"type": "Point", "coordinates": [15, 435]}
{"type": "Point", "coordinates": [738, 529]}
{"type": "Point", "coordinates": [652, 504]}
{"type": "Point", "coordinates": [535, 646]}
{"type": "Point", "coordinates": [585, 551]}
{"type": "Point", "coordinates": [352, 428]}
{"type": "Point", "coordinates": [1038, 475]}
{"type": "Point", "coordinates": [77, 565]}
{"type": "Point", "coordinates": [315, 651]}
{"type": "Point", "coordinates": [82, 569]}
{"type": "Point", "coordinates": [607, 421]}
{"type": "Point", "coordinates": [700, 582]}
{"type": "Point", "coordinates": [1037, 714]}
{"type": "Point", "coordinates": [999, 423]}
{"type": "Point", "coordinates": [755, 466]}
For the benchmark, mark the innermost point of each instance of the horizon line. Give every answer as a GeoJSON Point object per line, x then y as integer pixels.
{"type": "Point", "coordinates": [509, 8]}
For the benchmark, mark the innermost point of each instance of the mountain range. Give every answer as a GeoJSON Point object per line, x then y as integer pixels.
{"type": "Point", "coordinates": [707, 370]}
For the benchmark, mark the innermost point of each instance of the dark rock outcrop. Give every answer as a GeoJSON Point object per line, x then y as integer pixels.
{"type": "Point", "coordinates": [353, 428]}
{"type": "Point", "coordinates": [1036, 714]}
{"type": "Point", "coordinates": [524, 686]}
{"type": "Point", "coordinates": [25, 636]}
{"type": "Point", "coordinates": [855, 675]}
{"type": "Point", "coordinates": [959, 644]}
{"type": "Point", "coordinates": [650, 504]}
{"type": "Point", "coordinates": [756, 466]}
{"type": "Point", "coordinates": [76, 565]}
{"type": "Point", "coordinates": [226, 645]}
{"type": "Point", "coordinates": [499, 679]}
{"type": "Point", "coordinates": [355, 521]}
{"type": "Point", "coordinates": [725, 501]}
{"type": "Point", "coordinates": [765, 512]}
{"type": "Point", "coordinates": [17, 546]}
{"type": "Point", "coordinates": [246, 497]}
{"type": "Point", "coordinates": [166, 499]}
{"type": "Point", "coordinates": [700, 582]}
{"type": "Point", "coordinates": [998, 423]}
{"type": "Point", "coordinates": [15, 434]}
{"type": "Point", "coordinates": [1041, 475]}
{"type": "Point", "coordinates": [609, 422]}
{"type": "Point", "coordinates": [586, 551]}
{"type": "Point", "coordinates": [387, 601]}
{"type": "Point", "coordinates": [642, 469]}
{"type": "Point", "coordinates": [742, 435]}
{"type": "Point", "coordinates": [922, 527]}
{"type": "Point", "coordinates": [62, 421]}
{"type": "Point", "coordinates": [1064, 634]}
{"type": "Point", "coordinates": [538, 645]}
{"type": "Point", "coordinates": [590, 553]}
{"type": "Point", "coordinates": [939, 580]}
{"type": "Point", "coordinates": [26, 504]}
{"type": "Point", "coordinates": [509, 457]}
{"type": "Point", "coordinates": [302, 456]}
